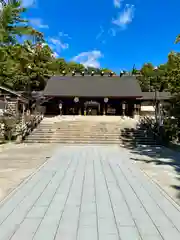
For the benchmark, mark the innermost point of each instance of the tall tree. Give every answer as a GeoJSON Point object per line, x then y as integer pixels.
{"type": "Point", "coordinates": [13, 25]}
{"type": "Point", "coordinates": [177, 39]}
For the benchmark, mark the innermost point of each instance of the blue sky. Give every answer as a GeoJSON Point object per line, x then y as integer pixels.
{"type": "Point", "coordinates": [108, 33]}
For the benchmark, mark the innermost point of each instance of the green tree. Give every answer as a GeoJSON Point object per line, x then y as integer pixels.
{"type": "Point", "coordinates": [13, 25]}
{"type": "Point", "coordinates": [177, 39]}
{"type": "Point", "coordinates": [73, 66]}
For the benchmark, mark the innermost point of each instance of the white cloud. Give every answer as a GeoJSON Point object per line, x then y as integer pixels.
{"type": "Point", "coordinates": [62, 34]}
{"type": "Point", "coordinates": [100, 36]}
{"type": "Point", "coordinates": [28, 3]}
{"type": "Point", "coordinates": [55, 55]}
{"type": "Point", "coordinates": [37, 22]}
{"type": "Point", "coordinates": [125, 17]}
{"type": "Point", "coordinates": [89, 59]}
{"type": "Point", "coordinates": [57, 45]}
{"type": "Point", "coordinates": [100, 32]}
{"type": "Point", "coordinates": [112, 32]}
{"type": "Point", "coordinates": [117, 3]}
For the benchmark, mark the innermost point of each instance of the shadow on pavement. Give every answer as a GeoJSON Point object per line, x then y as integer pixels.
{"type": "Point", "coordinates": [143, 142]}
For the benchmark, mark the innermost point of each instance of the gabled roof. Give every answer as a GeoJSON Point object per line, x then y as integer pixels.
{"type": "Point", "coordinates": [159, 95]}
{"type": "Point", "coordinates": [21, 98]}
{"type": "Point", "coordinates": [93, 86]}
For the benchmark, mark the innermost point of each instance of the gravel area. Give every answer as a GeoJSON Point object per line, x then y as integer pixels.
{"type": "Point", "coordinates": [162, 166]}
{"type": "Point", "coordinates": [17, 162]}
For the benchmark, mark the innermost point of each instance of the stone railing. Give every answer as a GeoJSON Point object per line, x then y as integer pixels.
{"type": "Point", "coordinates": [17, 128]}
{"type": "Point", "coordinates": [157, 131]}
{"type": "Point", "coordinates": [24, 128]}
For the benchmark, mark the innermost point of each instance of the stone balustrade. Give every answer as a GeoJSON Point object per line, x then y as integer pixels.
{"type": "Point", "coordinates": [25, 128]}
{"type": "Point", "coordinates": [21, 129]}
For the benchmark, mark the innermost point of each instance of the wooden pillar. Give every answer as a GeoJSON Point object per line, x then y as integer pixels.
{"type": "Point", "coordinates": [76, 105]}
{"type": "Point", "coordinates": [105, 106]}
{"type": "Point", "coordinates": [135, 110]}
{"type": "Point", "coordinates": [127, 109]}
{"type": "Point", "coordinates": [104, 109]}
{"type": "Point", "coordinates": [79, 111]}
{"type": "Point", "coordinates": [60, 108]}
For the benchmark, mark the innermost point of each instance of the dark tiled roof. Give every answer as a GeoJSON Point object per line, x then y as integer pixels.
{"type": "Point", "coordinates": [17, 94]}
{"type": "Point", "coordinates": [37, 94]}
{"type": "Point", "coordinates": [93, 86]}
{"type": "Point", "coordinates": [160, 95]}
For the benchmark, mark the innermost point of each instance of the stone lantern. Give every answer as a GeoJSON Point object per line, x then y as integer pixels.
{"type": "Point", "coordinates": [60, 108]}
{"type": "Point", "coordinates": [124, 108]}
{"type": "Point", "coordinates": [105, 103]}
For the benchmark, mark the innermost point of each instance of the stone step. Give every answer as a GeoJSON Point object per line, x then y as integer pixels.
{"type": "Point", "coordinates": [138, 139]}
{"type": "Point", "coordinates": [136, 135]}
{"type": "Point", "coordinates": [147, 142]}
{"type": "Point", "coordinates": [74, 134]}
{"type": "Point", "coordinates": [85, 127]}
{"type": "Point", "coordinates": [71, 142]}
{"type": "Point", "coordinates": [88, 128]}
{"type": "Point", "coordinates": [74, 139]}
{"type": "Point", "coordinates": [88, 132]}
{"type": "Point", "coordinates": [77, 131]}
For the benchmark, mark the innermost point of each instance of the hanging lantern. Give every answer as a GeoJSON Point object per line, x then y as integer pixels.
{"type": "Point", "coordinates": [76, 99]}
{"type": "Point", "coordinates": [106, 100]}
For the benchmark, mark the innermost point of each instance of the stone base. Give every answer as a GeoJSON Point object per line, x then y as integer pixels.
{"type": "Point", "coordinates": [136, 117]}
{"type": "Point", "coordinates": [19, 139]}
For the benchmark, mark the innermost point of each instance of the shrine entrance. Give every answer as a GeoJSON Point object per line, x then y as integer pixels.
{"type": "Point", "coordinates": [92, 108]}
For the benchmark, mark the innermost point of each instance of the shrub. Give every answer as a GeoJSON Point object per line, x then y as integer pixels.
{"type": "Point", "coordinates": [9, 127]}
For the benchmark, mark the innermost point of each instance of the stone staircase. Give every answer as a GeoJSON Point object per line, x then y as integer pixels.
{"type": "Point", "coordinates": [80, 130]}
{"type": "Point", "coordinates": [138, 136]}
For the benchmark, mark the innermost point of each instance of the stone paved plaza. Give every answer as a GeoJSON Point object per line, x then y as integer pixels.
{"type": "Point", "coordinates": [18, 161]}
{"type": "Point", "coordinates": [89, 193]}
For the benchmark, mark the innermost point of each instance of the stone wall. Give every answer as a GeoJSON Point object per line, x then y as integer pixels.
{"type": "Point", "coordinates": [11, 107]}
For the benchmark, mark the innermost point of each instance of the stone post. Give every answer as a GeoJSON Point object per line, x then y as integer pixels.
{"type": "Point", "coordinates": [104, 110]}
{"type": "Point", "coordinates": [105, 105]}
{"type": "Point", "coordinates": [19, 133]}
{"type": "Point", "coordinates": [136, 111]}
{"type": "Point", "coordinates": [19, 138]}
{"type": "Point", "coordinates": [123, 108]}
{"type": "Point", "coordinates": [60, 108]}
{"type": "Point", "coordinates": [76, 101]}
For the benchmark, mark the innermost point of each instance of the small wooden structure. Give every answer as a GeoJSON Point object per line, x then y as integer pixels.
{"type": "Point", "coordinates": [12, 102]}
